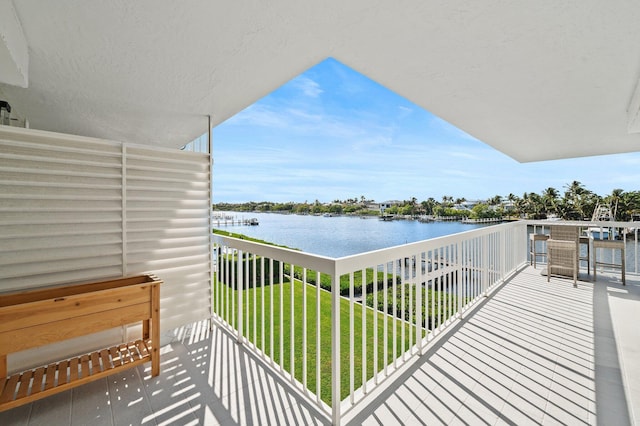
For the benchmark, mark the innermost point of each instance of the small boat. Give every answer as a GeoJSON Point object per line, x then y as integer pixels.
{"type": "Point", "coordinates": [600, 233]}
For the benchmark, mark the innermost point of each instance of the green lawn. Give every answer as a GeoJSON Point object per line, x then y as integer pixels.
{"type": "Point", "coordinates": [325, 332]}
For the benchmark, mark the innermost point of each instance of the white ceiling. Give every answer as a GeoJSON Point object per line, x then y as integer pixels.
{"type": "Point", "coordinates": [536, 80]}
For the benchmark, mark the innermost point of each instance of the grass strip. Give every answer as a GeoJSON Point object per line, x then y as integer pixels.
{"type": "Point", "coordinates": [298, 327]}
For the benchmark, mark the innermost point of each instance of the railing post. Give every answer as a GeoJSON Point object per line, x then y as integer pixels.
{"type": "Point", "coordinates": [335, 348]}
{"type": "Point", "coordinates": [503, 253]}
{"type": "Point", "coordinates": [459, 277]}
{"type": "Point", "coordinates": [239, 285]}
{"type": "Point", "coordinates": [485, 264]}
{"type": "Point", "coordinates": [419, 286]}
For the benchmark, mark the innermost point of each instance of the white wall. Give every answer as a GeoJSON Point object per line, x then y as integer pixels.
{"type": "Point", "coordinates": [76, 209]}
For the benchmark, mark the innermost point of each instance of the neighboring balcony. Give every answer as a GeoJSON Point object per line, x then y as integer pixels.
{"type": "Point", "coordinates": [453, 330]}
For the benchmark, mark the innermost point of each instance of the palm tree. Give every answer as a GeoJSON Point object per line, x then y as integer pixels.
{"type": "Point", "coordinates": [495, 200]}
{"type": "Point", "coordinates": [550, 200]}
{"type": "Point", "coordinates": [520, 204]}
{"type": "Point", "coordinates": [575, 188]}
{"type": "Point", "coordinates": [616, 201]}
{"type": "Point", "coordinates": [629, 207]}
{"type": "Point", "coordinates": [429, 205]}
{"type": "Point", "coordinates": [534, 205]}
{"type": "Point", "coordinates": [574, 197]}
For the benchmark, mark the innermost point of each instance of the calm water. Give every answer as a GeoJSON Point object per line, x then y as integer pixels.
{"type": "Point", "coordinates": [340, 236]}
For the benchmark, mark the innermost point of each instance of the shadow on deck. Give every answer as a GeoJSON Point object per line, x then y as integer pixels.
{"type": "Point", "coordinates": [532, 353]}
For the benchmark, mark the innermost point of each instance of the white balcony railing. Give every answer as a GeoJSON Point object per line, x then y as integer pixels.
{"type": "Point", "coordinates": [337, 328]}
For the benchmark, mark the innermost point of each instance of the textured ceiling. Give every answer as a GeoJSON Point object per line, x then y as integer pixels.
{"type": "Point", "coordinates": [534, 79]}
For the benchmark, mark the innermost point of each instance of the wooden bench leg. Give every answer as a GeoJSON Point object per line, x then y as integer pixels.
{"type": "Point", "coordinates": [145, 329]}
{"type": "Point", "coordinates": [3, 366]}
{"type": "Point", "coordinates": [155, 331]}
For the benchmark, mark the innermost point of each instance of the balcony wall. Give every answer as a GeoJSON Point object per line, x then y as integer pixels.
{"type": "Point", "coordinates": [77, 209]}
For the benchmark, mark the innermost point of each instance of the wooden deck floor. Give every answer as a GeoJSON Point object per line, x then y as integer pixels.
{"type": "Point", "coordinates": [532, 353]}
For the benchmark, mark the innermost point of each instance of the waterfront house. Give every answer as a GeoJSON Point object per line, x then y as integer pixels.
{"type": "Point", "coordinates": [388, 204]}
{"type": "Point", "coordinates": [467, 204]}
{"type": "Point", "coordinates": [99, 187]}
{"type": "Point", "coordinates": [373, 206]}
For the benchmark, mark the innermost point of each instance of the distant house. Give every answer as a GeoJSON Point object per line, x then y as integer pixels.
{"type": "Point", "coordinates": [467, 205]}
{"type": "Point", "coordinates": [508, 206]}
{"type": "Point", "coordinates": [373, 206]}
{"type": "Point", "coordinates": [387, 204]}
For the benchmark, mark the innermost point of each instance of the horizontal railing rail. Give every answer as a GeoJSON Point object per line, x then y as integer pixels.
{"type": "Point", "coordinates": [337, 328]}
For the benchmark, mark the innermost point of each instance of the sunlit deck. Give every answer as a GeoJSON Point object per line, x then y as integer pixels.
{"type": "Point", "coordinates": [532, 353]}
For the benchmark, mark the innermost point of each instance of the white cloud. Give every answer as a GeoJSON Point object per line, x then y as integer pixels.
{"type": "Point", "coordinates": [466, 155]}
{"type": "Point", "coordinates": [258, 115]}
{"type": "Point", "coordinates": [307, 86]}
{"type": "Point", "coordinates": [460, 173]}
{"type": "Point", "coordinates": [404, 111]}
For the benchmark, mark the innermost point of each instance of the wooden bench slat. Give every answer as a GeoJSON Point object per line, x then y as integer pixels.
{"type": "Point", "coordinates": [115, 357]}
{"type": "Point", "coordinates": [62, 372]}
{"type": "Point", "coordinates": [142, 348]}
{"type": "Point", "coordinates": [51, 376]}
{"type": "Point", "coordinates": [23, 384]}
{"type": "Point", "coordinates": [106, 363]}
{"type": "Point", "coordinates": [10, 389]}
{"type": "Point", "coordinates": [73, 370]}
{"type": "Point", "coordinates": [124, 354]}
{"type": "Point", "coordinates": [37, 380]}
{"type": "Point", "coordinates": [129, 353]}
{"type": "Point", "coordinates": [84, 366]}
{"type": "Point", "coordinates": [95, 363]}
{"type": "Point", "coordinates": [133, 350]}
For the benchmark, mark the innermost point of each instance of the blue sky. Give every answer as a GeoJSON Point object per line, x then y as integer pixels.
{"type": "Point", "coordinates": [332, 133]}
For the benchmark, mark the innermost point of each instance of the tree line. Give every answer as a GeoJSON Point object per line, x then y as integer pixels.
{"type": "Point", "coordinates": [350, 206]}
{"type": "Point", "coordinates": [576, 202]}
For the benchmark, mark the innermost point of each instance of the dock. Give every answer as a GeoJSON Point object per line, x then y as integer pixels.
{"type": "Point", "coordinates": [219, 220]}
{"type": "Point", "coordinates": [483, 220]}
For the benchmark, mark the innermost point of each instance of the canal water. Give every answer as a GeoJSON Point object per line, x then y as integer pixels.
{"type": "Point", "coordinates": [339, 236]}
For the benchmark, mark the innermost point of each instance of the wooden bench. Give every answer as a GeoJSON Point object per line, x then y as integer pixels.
{"type": "Point", "coordinates": [33, 318]}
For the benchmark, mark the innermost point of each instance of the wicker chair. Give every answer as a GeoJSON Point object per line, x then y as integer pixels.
{"type": "Point", "coordinates": [563, 252]}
